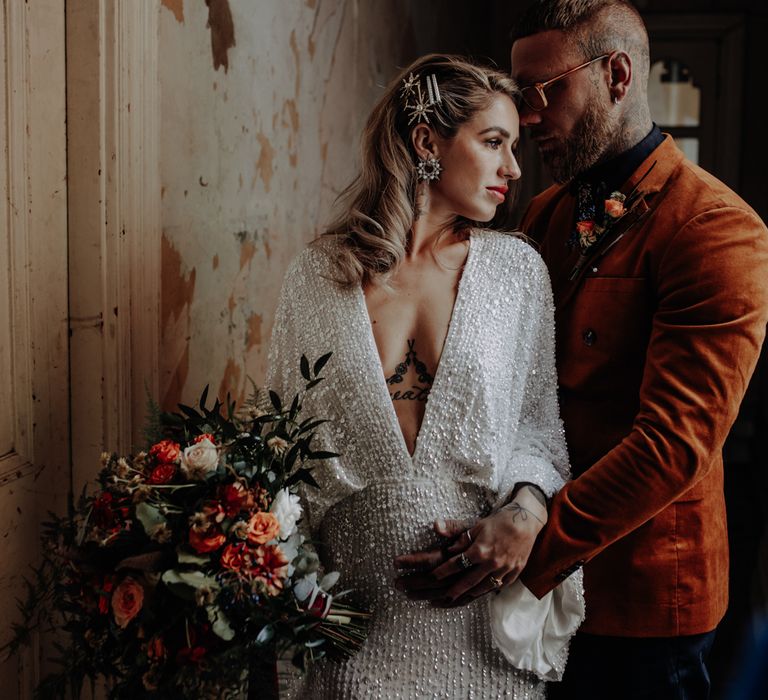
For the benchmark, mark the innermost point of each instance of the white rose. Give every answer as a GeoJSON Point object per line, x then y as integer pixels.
{"type": "Point", "coordinates": [199, 459]}
{"type": "Point", "coordinates": [287, 509]}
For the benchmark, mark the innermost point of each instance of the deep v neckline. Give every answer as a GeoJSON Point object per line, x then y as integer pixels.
{"type": "Point", "coordinates": [390, 414]}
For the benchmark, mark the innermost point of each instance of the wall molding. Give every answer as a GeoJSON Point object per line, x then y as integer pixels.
{"type": "Point", "coordinates": [18, 225]}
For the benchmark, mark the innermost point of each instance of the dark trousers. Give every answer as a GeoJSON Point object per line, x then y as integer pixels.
{"type": "Point", "coordinates": [628, 668]}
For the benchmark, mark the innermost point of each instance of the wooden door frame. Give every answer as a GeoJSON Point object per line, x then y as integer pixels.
{"type": "Point", "coordinates": [113, 116]}
{"type": "Point", "coordinates": [728, 31]}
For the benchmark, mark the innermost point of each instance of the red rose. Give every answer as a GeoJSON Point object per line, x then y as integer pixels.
{"type": "Point", "coordinates": [165, 451]}
{"type": "Point", "coordinates": [207, 541]}
{"type": "Point", "coordinates": [193, 655]}
{"type": "Point", "coordinates": [235, 497]}
{"type": "Point", "coordinates": [106, 589]}
{"type": "Point", "coordinates": [585, 226]}
{"type": "Point", "coordinates": [127, 601]}
{"type": "Point", "coordinates": [162, 473]}
{"type": "Point", "coordinates": [205, 436]}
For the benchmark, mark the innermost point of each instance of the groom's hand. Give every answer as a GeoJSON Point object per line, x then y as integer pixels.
{"type": "Point", "coordinates": [484, 558]}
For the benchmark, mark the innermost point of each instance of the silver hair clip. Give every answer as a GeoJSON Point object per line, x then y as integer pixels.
{"type": "Point", "coordinates": [422, 105]}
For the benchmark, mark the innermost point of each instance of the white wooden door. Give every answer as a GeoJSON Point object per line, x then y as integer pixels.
{"type": "Point", "coordinates": [34, 396]}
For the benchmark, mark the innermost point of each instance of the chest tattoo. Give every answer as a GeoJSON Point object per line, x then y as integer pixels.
{"type": "Point", "coordinates": [419, 391]}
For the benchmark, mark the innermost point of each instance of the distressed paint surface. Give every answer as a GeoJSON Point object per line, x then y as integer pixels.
{"type": "Point", "coordinates": [177, 7]}
{"type": "Point", "coordinates": [222, 32]}
{"type": "Point", "coordinates": [252, 160]}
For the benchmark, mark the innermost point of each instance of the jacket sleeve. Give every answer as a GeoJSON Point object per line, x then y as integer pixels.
{"type": "Point", "coordinates": [709, 324]}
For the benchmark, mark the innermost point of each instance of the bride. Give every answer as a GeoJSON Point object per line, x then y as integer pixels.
{"type": "Point", "coordinates": [440, 391]}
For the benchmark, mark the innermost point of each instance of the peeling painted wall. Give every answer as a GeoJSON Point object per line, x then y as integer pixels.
{"type": "Point", "coordinates": [262, 106]}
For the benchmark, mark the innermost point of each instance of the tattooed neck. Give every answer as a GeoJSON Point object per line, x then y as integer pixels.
{"type": "Point", "coordinates": [419, 391]}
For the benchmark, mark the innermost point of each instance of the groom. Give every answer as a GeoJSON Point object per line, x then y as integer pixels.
{"type": "Point", "coordinates": [660, 279]}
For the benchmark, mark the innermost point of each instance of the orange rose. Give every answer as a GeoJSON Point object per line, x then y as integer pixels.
{"type": "Point", "coordinates": [585, 226]}
{"type": "Point", "coordinates": [207, 541]}
{"type": "Point", "coordinates": [165, 451]}
{"type": "Point", "coordinates": [614, 208]}
{"type": "Point", "coordinates": [262, 528]}
{"type": "Point", "coordinates": [127, 601]}
{"type": "Point", "coordinates": [162, 473]}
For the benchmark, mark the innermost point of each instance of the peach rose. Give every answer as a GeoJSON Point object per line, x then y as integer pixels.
{"type": "Point", "coordinates": [206, 541]}
{"type": "Point", "coordinates": [200, 459]}
{"type": "Point", "coordinates": [127, 600]}
{"type": "Point", "coordinates": [263, 527]}
{"type": "Point", "coordinates": [165, 451]}
{"type": "Point", "coordinates": [614, 208]}
{"type": "Point", "coordinates": [584, 227]}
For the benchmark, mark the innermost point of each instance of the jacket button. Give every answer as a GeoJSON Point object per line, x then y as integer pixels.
{"type": "Point", "coordinates": [561, 577]}
{"type": "Point", "coordinates": [589, 337]}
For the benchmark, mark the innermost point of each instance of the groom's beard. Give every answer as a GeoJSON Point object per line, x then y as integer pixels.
{"type": "Point", "coordinates": [583, 148]}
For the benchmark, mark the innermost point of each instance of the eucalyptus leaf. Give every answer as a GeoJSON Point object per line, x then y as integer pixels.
{"type": "Point", "coordinates": [186, 557]}
{"type": "Point", "coordinates": [219, 622]}
{"type": "Point", "coordinates": [192, 579]}
{"type": "Point", "coordinates": [149, 517]}
{"type": "Point", "coordinates": [266, 634]}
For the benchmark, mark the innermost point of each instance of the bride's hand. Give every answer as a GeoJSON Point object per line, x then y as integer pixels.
{"type": "Point", "coordinates": [489, 555]}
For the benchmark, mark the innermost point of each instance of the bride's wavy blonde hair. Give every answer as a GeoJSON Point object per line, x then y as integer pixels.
{"type": "Point", "coordinates": [379, 206]}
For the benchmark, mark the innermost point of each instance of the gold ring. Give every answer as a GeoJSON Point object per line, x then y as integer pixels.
{"type": "Point", "coordinates": [497, 582]}
{"type": "Point", "coordinates": [469, 536]}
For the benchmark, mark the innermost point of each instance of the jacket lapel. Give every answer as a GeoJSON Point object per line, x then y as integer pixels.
{"type": "Point", "coordinates": [566, 265]}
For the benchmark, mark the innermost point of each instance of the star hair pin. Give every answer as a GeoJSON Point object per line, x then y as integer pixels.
{"type": "Point", "coordinates": [409, 86]}
{"type": "Point", "coordinates": [423, 106]}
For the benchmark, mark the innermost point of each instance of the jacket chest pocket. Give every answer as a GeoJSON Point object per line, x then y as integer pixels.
{"type": "Point", "coordinates": [606, 326]}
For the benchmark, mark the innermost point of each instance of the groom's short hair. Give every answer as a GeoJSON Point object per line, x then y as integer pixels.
{"type": "Point", "coordinates": [594, 26]}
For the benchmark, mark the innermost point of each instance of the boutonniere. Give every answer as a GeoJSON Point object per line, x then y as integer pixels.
{"type": "Point", "coordinates": [616, 208]}
{"type": "Point", "coordinates": [590, 232]}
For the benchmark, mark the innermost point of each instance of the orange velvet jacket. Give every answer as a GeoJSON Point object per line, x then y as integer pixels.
{"type": "Point", "coordinates": [657, 337]}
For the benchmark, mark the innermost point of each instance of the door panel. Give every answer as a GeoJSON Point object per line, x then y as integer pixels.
{"type": "Point", "coordinates": [34, 398]}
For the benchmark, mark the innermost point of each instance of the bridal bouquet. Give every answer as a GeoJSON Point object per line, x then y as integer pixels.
{"type": "Point", "coordinates": [185, 567]}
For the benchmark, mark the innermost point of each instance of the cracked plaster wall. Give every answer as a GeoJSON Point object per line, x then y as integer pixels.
{"type": "Point", "coordinates": [253, 155]}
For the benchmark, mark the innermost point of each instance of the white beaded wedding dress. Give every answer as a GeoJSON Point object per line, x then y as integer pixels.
{"type": "Point", "coordinates": [491, 420]}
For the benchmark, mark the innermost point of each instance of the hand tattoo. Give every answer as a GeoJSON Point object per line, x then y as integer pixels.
{"type": "Point", "coordinates": [520, 512]}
